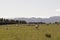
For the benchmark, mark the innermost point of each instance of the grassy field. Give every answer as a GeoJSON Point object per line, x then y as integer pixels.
{"type": "Point", "coordinates": [29, 32]}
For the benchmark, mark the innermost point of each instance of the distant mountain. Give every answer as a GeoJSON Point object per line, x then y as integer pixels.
{"type": "Point", "coordinates": [46, 20]}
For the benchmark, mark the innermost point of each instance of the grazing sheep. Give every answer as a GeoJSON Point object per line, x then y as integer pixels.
{"type": "Point", "coordinates": [36, 26]}
{"type": "Point", "coordinates": [16, 24]}
{"type": "Point", "coordinates": [47, 24]}
{"type": "Point", "coordinates": [6, 28]}
{"type": "Point", "coordinates": [48, 35]}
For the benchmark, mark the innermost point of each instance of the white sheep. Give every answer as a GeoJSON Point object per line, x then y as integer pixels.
{"type": "Point", "coordinates": [36, 26]}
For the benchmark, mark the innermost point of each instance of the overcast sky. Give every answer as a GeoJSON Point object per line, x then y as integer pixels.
{"type": "Point", "coordinates": [29, 8]}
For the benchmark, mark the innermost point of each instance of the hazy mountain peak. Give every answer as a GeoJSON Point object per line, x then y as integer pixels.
{"type": "Point", "coordinates": [47, 20]}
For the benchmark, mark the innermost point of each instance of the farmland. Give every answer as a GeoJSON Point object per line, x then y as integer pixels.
{"type": "Point", "coordinates": [29, 32]}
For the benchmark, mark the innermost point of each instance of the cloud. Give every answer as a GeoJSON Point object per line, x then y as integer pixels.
{"type": "Point", "coordinates": [58, 10]}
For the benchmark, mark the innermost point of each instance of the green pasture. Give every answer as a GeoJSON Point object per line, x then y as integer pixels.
{"type": "Point", "coordinates": [29, 32]}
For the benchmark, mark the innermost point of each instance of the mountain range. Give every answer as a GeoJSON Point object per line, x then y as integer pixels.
{"type": "Point", "coordinates": [46, 20]}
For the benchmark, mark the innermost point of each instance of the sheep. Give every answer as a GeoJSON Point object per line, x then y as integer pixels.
{"type": "Point", "coordinates": [36, 26]}
{"type": "Point", "coordinates": [6, 28]}
{"type": "Point", "coordinates": [48, 35]}
{"type": "Point", "coordinates": [16, 24]}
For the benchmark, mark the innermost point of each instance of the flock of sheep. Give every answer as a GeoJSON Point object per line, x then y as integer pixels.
{"type": "Point", "coordinates": [37, 27]}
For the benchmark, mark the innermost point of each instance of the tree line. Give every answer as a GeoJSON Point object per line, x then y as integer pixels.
{"type": "Point", "coordinates": [11, 21]}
